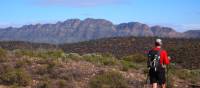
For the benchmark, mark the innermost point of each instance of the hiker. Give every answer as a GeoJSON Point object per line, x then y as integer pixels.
{"type": "Point", "coordinates": [157, 61]}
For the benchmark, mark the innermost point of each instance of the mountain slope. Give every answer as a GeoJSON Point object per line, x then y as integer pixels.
{"type": "Point", "coordinates": [76, 30]}
{"type": "Point", "coordinates": [192, 33]}
{"type": "Point", "coordinates": [165, 32]}
{"type": "Point", "coordinates": [133, 29]}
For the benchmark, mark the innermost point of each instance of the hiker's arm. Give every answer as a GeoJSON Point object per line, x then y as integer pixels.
{"type": "Point", "coordinates": [166, 59]}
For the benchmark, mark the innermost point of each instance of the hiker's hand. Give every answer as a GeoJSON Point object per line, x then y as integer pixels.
{"type": "Point", "coordinates": [169, 57]}
{"type": "Point", "coordinates": [164, 66]}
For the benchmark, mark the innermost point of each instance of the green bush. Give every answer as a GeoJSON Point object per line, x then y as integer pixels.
{"type": "Point", "coordinates": [183, 73]}
{"type": "Point", "coordinates": [126, 65]}
{"type": "Point", "coordinates": [15, 76]}
{"type": "Point", "coordinates": [108, 80]}
{"type": "Point", "coordinates": [136, 58]}
{"type": "Point", "coordinates": [3, 55]}
{"type": "Point", "coordinates": [100, 59]}
{"type": "Point", "coordinates": [23, 78]}
{"type": "Point", "coordinates": [94, 58]}
{"type": "Point", "coordinates": [73, 56]}
{"type": "Point", "coordinates": [15, 86]}
{"type": "Point", "coordinates": [62, 83]}
{"type": "Point", "coordinates": [52, 64]}
{"type": "Point", "coordinates": [41, 70]}
{"type": "Point", "coordinates": [145, 70]}
{"type": "Point", "coordinates": [55, 54]}
{"type": "Point", "coordinates": [23, 52]}
{"type": "Point", "coordinates": [44, 84]}
{"type": "Point", "coordinates": [40, 53]}
{"type": "Point", "coordinates": [195, 76]}
{"type": "Point", "coordinates": [191, 76]}
{"type": "Point", "coordinates": [21, 63]}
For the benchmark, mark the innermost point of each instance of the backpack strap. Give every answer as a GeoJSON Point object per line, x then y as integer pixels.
{"type": "Point", "coordinates": [159, 52]}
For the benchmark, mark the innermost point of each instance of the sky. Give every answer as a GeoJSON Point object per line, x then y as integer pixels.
{"type": "Point", "coordinates": [181, 15]}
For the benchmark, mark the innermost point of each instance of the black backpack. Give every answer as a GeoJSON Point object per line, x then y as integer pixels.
{"type": "Point", "coordinates": [154, 59]}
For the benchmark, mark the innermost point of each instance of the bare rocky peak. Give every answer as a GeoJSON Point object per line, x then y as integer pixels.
{"type": "Point", "coordinates": [76, 30]}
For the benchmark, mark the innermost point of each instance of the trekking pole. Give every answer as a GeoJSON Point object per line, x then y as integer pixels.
{"type": "Point", "coordinates": [146, 51]}
{"type": "Point", "coordinates": [167, 77]}
{"type": "Point", "coordinates": [147, 77]}
{"type": "Point", "coordinates": [147, 80]}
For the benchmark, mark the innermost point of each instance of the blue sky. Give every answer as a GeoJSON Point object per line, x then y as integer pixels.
{"type": "Point", "coordinates": [179, 14]}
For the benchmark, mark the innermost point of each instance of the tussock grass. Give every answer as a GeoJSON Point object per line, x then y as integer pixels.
{"type": "Point", "coordinates": [40, 53]}
{"type": "Point", "coordinates": [110, 79]}
{"type": "Point", "coordinates": [190, 75]}
{"type": "Point", "coordinates": [100, 59]}
{"type": "Point", "coordinates": [12, 76]}
{"type": "Point", "coordinates": [3, 56]}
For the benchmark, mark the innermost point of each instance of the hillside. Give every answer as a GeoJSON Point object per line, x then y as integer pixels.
{"type": "Point", "coordinates": [55, 69]}
{"type": "Point", "coordinates": [118, 62]}
{"type": "Point", "coordinates": [192, 33]}
{"type": "Point", "coordinates": [184, 51]}
{"type": "Point", "coordinates": [76, 30]}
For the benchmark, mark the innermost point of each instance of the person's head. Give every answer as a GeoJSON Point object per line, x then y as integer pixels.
{"type": "Point", "coordinates": [158, 42]}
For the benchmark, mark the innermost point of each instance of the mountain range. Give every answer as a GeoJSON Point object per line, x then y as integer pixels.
{"type": "Point", "coordinates": [76, 30]}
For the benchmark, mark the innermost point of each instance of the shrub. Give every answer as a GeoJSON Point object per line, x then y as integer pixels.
{"type": "Point", "coordinates": [94, 58]}
{"type": "Point", "coordinates": [3, 55]}
{"type": "Point", "coordinates": [72, 74]}
{"type": "Point", "coordinates": [73, 56]}
{"type": "Point", "coordinates": [41, 70]}
{"type": "Point", "coordinates": [44, 84]}
{"type": "Point", "coordinates": [40, 53]}
{"type": "Point", "coordinates": [190, 75]}
{"type": "Point", "coordinates": [23, 78]}
{"type": "Point", "coordinates": [137, 58]}
{"type": "Point", "coordinates": [47, 66]}
{"type": "Point", "coordinates": [23, 52]}
{"type": "Point", "coordinates": [183, 74]}
{"type": "Point", "coordinates": [126, 65]}
{"type": "Point", "coordinates": [16, 76]}
{"type": "Point", "coordinates": [62, 83]}
{"type": "Point", "coordinates": [14, 86]}
{"type": "Point", "coordinates": [100, 59]}
{"type": "Point", "coordinates": [21, 63]}
{"type": "Point", "coordinates": [109, 61]}
{"type": "Point", "coordinates": [52, 64]}
{"type": "Point", "coordinates": [55, 54]}
{"type": "Point", "coordinates": [5, 67]}
{"type": "Point", "coordinates": [108, 80]}
{"type": "Point", "coordinates": [145, 70]}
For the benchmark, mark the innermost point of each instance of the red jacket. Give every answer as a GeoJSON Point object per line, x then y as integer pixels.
{"type": "Point", "coordinates": [163, 56]}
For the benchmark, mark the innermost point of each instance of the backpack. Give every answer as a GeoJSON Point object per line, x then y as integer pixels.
{"type": "Point", "coordinates": [154, 59]}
